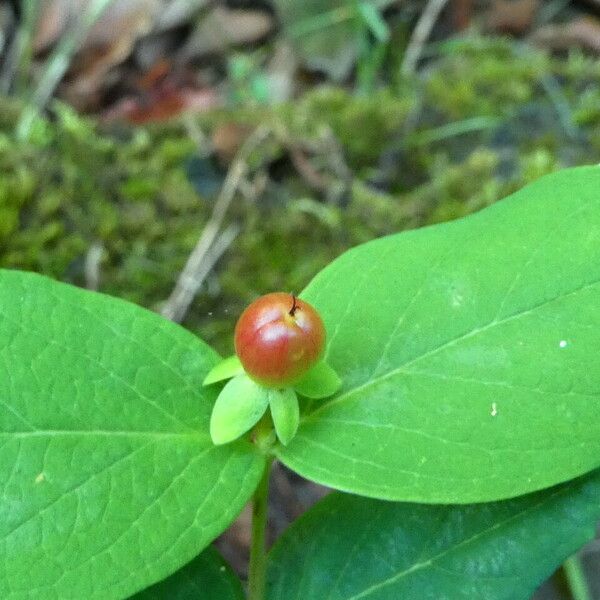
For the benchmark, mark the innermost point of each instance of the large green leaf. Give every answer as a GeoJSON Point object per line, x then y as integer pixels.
{"type": "Point", "coordinates": [110, 481]}
{"type": "Point", "coordinates": [207, 577]}
{"type": "Point", "coordinates": [351, 548]}
{"type": "Point", "coordinates": [468, 353]}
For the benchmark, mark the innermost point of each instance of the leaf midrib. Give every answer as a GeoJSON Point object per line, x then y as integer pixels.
{"type": "Point", "coordinates": [431, 560]}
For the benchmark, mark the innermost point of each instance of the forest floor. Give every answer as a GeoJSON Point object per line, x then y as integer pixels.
{"type": "Point", "coordinates": [265, 154]}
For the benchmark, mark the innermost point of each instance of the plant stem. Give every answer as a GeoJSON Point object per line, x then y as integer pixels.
{"type": "Point", "coordinates": [258, 555]}
{"type": "Point", "coordinates": [576, 579]}
{"type": "Point", "coordinates": [18, 56]}
{"type": "Point", "coordinates": [427, 20]}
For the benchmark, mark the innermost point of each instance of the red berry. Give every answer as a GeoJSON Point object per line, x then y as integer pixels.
{"type": "Point", "coordinates": [278, 338]}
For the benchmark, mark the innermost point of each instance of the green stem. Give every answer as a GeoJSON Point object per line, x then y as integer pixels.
{"type": "Point", "coordinates": [258, 554]}
{"type": "Point", "coordinates": [57, 65]}
{"type": "Point", "coordinates": [576, 579]}
{"type": "Point", "coordinates": [18, 56]}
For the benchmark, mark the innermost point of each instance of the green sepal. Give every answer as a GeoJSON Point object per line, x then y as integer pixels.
{"type": "Point", "coordinates": [239, 406]}
{"type": "Point", "coordinates": [227, 368]}
{"type": "Point", "coordinates": [285, 413]}
{"type": "Point", "coordinates": [320, 382]}
{"type": "Point", "coordinates": [374, 21]}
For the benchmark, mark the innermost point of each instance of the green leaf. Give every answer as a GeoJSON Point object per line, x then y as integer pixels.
{"type": "Point", "coordinates": [207, 577]}
{"type": "Point", "coordinates": [110, 479]}
{"type": "Point", "coordinates": [320, 382]}
{"type": "Point", "coordinates": [468, 353]}
{"type": "Point", "coordinates": [285, 412]}
{"type": "Point", "coordinates": [350, 548]}
{"type": "Point", "coordinates": [373, 19]}
{"type": "Point", "coordinates": [240, 405]}
{"type": "Point", "coordinates": [227, 368]}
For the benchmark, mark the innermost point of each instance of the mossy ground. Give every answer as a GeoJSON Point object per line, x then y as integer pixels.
{"type": "Point", "coordinates": [485, 118]}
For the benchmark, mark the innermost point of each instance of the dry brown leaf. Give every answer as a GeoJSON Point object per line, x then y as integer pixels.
{"type": "Point", "coordinates": [512, 16]}
{"type": "Point", "coordinates": [224, 27]}
{"type": "Point", "coordinates": [461, 13]}
{"type": "Point", "coordinates": [158, 15]}
{"type": "Point", "coordinates": [227, 139]}
{"type": "Point", "coordinates": [108, 43]}
{"type": "Point", "coordinates": [54, 19]}
{"type": "Point", "coordinates": [112, 40]}
{"type": "Point", "coordinates": [169, 96]}
{"type": "Point", "coordinates": [178, 12]}
{"type": "Point", "coordinates": [583, 32]}
{"type": "Point", "coordinates": [120, 19]}
{"type": "Point", "coordinates": [123, 19]}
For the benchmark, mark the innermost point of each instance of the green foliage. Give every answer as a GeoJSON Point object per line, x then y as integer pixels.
{"type": "Point", "coordinates": [320, 382]}
{"type": "Point", "coordinates": [379, 118]}
{"type": "Point", "coordinates": [238, 407]}
{"type": "Point", "coordinates": [207, 577]}
{"type": "Point", "coordinates": [111, 481]}
{"type": "Point", "coordinates": [242, 402]}
{"type": "Point", "coordinates": [249, 84]}
{"type": "Point", "coordinates": [74, 188]}
{"type": "Point", "coordinates": [467, 353]}
{"type": "Point", "coordinates": [227, 368]}
{"type": "Point", "coordinates": [350, 547]}
{"type": "Point", "coordinates": [501, 81]}
{"type": "Point", "coordinates": [474, 379]}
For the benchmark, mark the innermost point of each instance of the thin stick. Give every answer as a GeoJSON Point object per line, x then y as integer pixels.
{"type": "Point", "coordinates": [198, 265]}
{"type": "Point", "coordinates": [12, 55]}
{"type": "Point", "coordinates": [93, 258]}
{"type": "Point", "coordinates": [575, 575]}
{"type": "Point", "coordinates": [17, 56]}
{"type": "Point", "coordinates": [420, 35]}
{"type": "Point", "coordinates": [196, 270]}
{"type": "Point", "coordinates": [58, 64]}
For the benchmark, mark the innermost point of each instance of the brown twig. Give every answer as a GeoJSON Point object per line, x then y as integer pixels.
{"type": "Point", "coordinates": [332, 177]}
{"type": "Point", "coordinates": [420, 35]}
{"type": "Point", "coordinates": [93, 258]}
{"type": "Point", "coordinates": [306, 170]}
{"type": "Point", "coordinates": [211, 245]}
{"type": "Point", "coordinates": [462, 12]}
{"type": "Point", "coordinates": [196, 270]}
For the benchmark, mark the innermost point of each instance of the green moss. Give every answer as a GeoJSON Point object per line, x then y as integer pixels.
{"type": "Point", "coordinates": [363, 125]}
{"type": "Point", "coordinates": [74, 186]}
{"type": "Point", "coordinates": [483, 76]}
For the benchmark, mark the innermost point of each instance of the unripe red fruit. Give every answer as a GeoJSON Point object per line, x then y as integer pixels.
{"type": "Point", "coordinates": [278, 338]}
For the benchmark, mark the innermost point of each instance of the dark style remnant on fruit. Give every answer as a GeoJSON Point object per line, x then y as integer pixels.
{"type": "Point", "coordinates": [278, 339]}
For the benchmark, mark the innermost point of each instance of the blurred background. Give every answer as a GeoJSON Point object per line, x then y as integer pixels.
{"type": "Point", "coordinates": [189, 155]}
